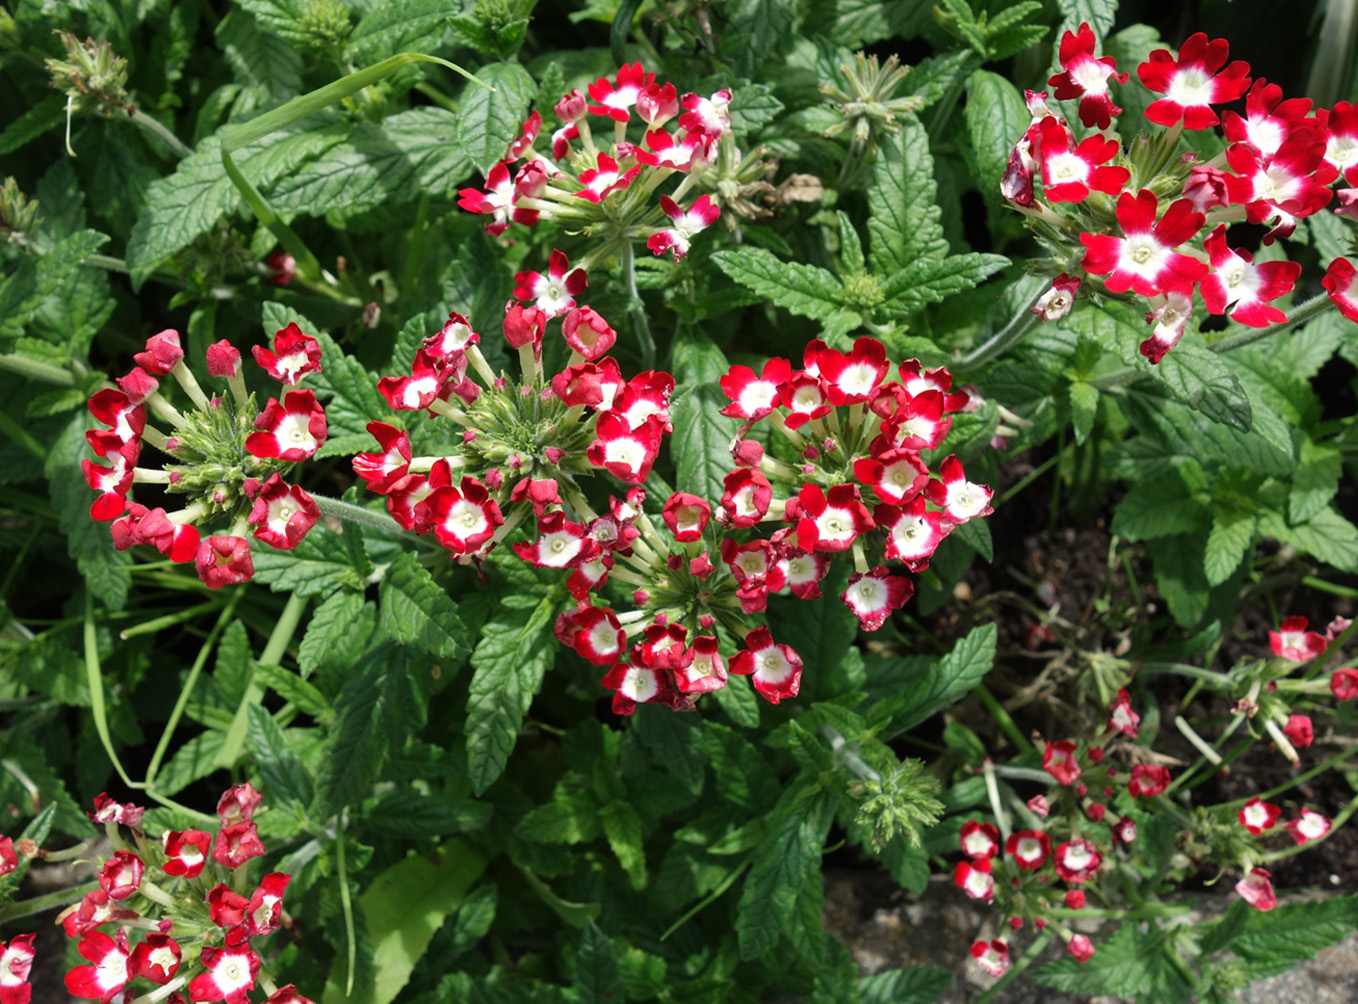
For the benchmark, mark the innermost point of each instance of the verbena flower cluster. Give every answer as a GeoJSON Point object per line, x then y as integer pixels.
{"type": "Point", "coordinates": [226, 457]}
{"type": "Point", "coordinates": [1155, 223]}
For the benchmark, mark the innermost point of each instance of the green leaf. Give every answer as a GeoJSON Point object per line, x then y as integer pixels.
{"type": "Point", "coordinates": [1098, 14]}
{"type": "Point", "coordinates": [1196, 376]}
{"type": "Point", "coordinates": [87, 541]}
{"type": "Point", "coordinates": [408, 813]}
{"type": "Point", "coordinates": [295, 690]}
{"type": "Point", "coordinates": [701, 442]}
{"type": "Point", "coordinates": [416, 611]}
{"type": "Point", "coordinates": [489, 120]}
{"type": "Point", "coordinates": [1275, 941]}
{"type": "Point", "coordinates": [765, 27]}
{"type": "Point", "coordinates": [596, 969]}
{"type": "Point", "coordinates": [325, 632]}
{"type": "Point", "coordinates": [232, 671]}
{"type": "Point", "coordinates": [1084, 406]}
{"type": "Point", "coordinates": [47, 114]}
{"type": "Point", "coordinates": [280, 771]}
{"type": "Point", "coordinates": [1129, 964]}
{"type": "Point", "coordinates": [264, 65]}
{"type": "Point", "coordinates": [571, 817]}
{"type": "Point", "coordinates": [1171, 431]}
{"type": "Point", "coordinates": [821, 631]}
{"type": "Point", "coordinates": [1178, 562]}
{"type": "Point", "coordinates": [1159, 507]}
{"type": "Point", "coordinates": [975, 533]}
{"type": "Point", "coordinates": [1232, 532]}
{"type": "Point", "coordinates": [934, 280]}
{"type": "Point", "coordinates": [933, 686]}
{"type": "Point", "coordinates": [285, 18]}
{"type": "Point", "coordinates": [996, 117]}
{"type": "Point", "coordinates": [905, 224]}
{"type": "Point", "coordinates": [192, 761]}
{"type": "Point", "coordinates": [788, 858]}
{"type": "Point", "coordinates": [675, 741]}
{"type": "Point", "coordinates": [410, 153]}
{"type": "Point", "coordinates": [622, 827]}
{"type": "Point", "coordinates": [1316, 481]}
{"type": "Point", "coordinates": [353, 752]}
{"type": "Point", "coordinates": [803, 289]}
{"type": "Point", "coordinates": [915, 985]}
{"type": "Point", "coordinates": [510, 660]}
{"type": "Point", "coordinates": [315, 567]}
{"type": "Point", "coordinates": [393, 26]}
{"type": "Point", "coordinates": [744, 778]}
{"type": "Point", "coordinates": [403, 909]}
{"type": "Point", "coordinates": [1326, 535]}
{"type": "Point", "coordinates": [20, 301]}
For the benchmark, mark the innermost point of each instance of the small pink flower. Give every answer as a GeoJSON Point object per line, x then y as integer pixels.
{"type": "Point", "coordinates": [685, 224]}
{"type": "Point", "coordinates": [1298, 731]}
{"type": "Point", "coordinates": [1081, 948]}
{"type": "Point", "coordinates": [1170, 313]}
{"type": "Point", "coordinates": [1256, 815]}
{"type": "Point", "coordinates": [1056, 302]}
{"type": "Point", "coordinates": [106, 810]}
{"type": "Point", "coordinates": [1075, 899]}
{"type": "Point", "coordinates": [1148, 779]}
{"type": "Point", "coordinates": [1028, 848]}
{"type": "Point", "coordinates": [238, 804]}
{"type": "Point", "coordinates": [223, 359]}
{"type": "Point", "coordinates": [9, 861]}
{"type": "Point", "coordinates": [1193, 82]}
{"type": "Point", "coordinates": [291, 430]}
{"type": "Point", "coordinates": [288, 995]}
{"type": "Point", "coordinates": [224, 561]}
{"type": "Point", "coordinates": [614, 97]}
{"type": "Point", "coordinates": [1039, 806]}
{"type": "Point", "coordinates": [1293, 642]}
{"type": "Point", "coordinates": [1059, 760]}
{"type": "Point", "coordinates": [979, 840]}
{"type": "Point", "coordinates": [1121, 717]}
{"type": "Point", "coordinates": [236, 844]}
{"type": "Point", "coordinates": [992, 956]}
{"type": "Point", "coordinates": [587, 333]}
{"type": "Point", "coordinates": [1124, 830]}
{"type": "Point", "coordinates": [1344, 684]}
{"type": "Point", "coordinates": [1256, 889]}
{"type": "Point", "coordinates": [294, 355]}
{"type": "Point", "coordinates": [162, 354]}
{"type": "Point", "coordinates": [1077, 860]}
{"type": "Point", "coordinates": [687, 516]}
{"type": "Point", "coordinates": [555, 292]}
{"type": "Point", "coordinates": [282, 268]}
{"type": "Point", "coordinates": [604, 179]}
{"type": "Point", "coordinates": [873, 595]}
{"type": "Point", "coordinates": [974, 879]}
{"type": "Point", "coordinates": [186, 852]}
{"type": "Point", "coordinates": [709, 115]}
{"type": "Point", "coordinates": [1310, 825]}
{"type": "Point", "coordinates": [121, 875]}
{"type": "Point", "coordinates": [774, 670]}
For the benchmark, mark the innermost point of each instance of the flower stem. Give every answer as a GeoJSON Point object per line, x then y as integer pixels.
{"type": "Point", "coordinates": [41, 904]}
{"type": "Point", "coordinates": [1011, 334]}
{"type": "Point", "coordinates": [1300, 315]}
{"type": "Point", "coordinates": [152, 127]}
{"type": "Point", "coordinates": [643, 327]}
{"type": "Point", "coordinates": [347, 512]}
{"type": "Point", "coordinates": [35, 370]}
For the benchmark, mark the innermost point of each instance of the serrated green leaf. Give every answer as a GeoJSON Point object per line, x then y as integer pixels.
{"type": "Point", "coordinates": [1232, 532]}
{"type": "Point", "coordinates": [192, 761]}
{"type": "Point", "coordinates": [701, 442]}
{"type": "Point", "coordinates": [393, 26]}
{"type": "Point", "coordinates": [325, 632]}
{"type": "Point", "coordinates": [487, 121]}
{"type": "Point", "coordinates": [743, 777]}
{"type": "Point", "coordinates": [596, 968]}
{"type": "Point", "coordinates": [281, 772]}
{"type": "Point", "coordinates": [415, 611]}
{"type": "Point", "coordinates": [1084, 406]}
{"type": "Point", "coordinates": [934, 280]}
{"type": "Point", "coordinates": [905, 224]}
{"type": "Point", "coordinates": [766, 27]}
{"type": "Point", "coordinates": [1178, 561]}
{"type": "Point", "coordinates": [975, 533]}
{"type": "Point", "coordinates": [1159, 507]}
{"type": "Point", "coordinates": [675, 741]}
{"type": "Point", "coordinates": [1129, 964]}
{"type": "Point", "coordinates": [263, 64]}
{"type": "Point", "coordinates": [1098, 14]}
{"type": "Point", "coordinates": [1326, 535]}
{"type": "Point", "coordinates": [315, 567]}
{"type": "Point", "coordinates": [295, 690]}
{"type": "Point", "coordinates": [87, 541]}
{"type": "Point", "coordinates": [622, 828]}
{"type": "Point", "coordinates": [753, 107]}
{"type": "Point", "coordinates": [232, 670]}
{"type": "Point", "coordinates": [1315, 482]}
{"type": "Point", "coordinates": [55, 402]}
{"type": "Point", "coordinates": [787, 858]}
{"type": "Point", "coordinates": [1173, 431]}
{"type": "Point", "coordinates": [803, 289]}
{"type": "Point", "coordinates": [284, 18]}
{"type": "Point", "coordinates": [47, 114]}
{"type": "Point", "coordinates": [54, 268]}
{"type": "Point", "coordinates": [1275, 941]}
{"type": "Point", "coordinates": [996, 117]}
{"type": "Point", "coordinates": [408, 813]}
{"type": "Point", "coordinates": [1196, 376]}
{"type": "Point", "coordinates": [932, 686]}
{"type": "Point", "coordinates": [510, 660]}
{"type": "Point", "coordinates": [410, 153]}
{"type": "Point", "coordinates": [571, 817]}
{"type": "Point", "coordinates": [915, 985]}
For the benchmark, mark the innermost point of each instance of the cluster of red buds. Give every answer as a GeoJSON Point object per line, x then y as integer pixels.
{"type": "Point", "coordinates": [1132, 217]}
{"type": "Point", "coordinates": [607, 189]}
{"type": "Point", "coordinates": [224, 455]}
{"type": "Point", "coordinates": [176, 912]}
{"type": "Point", "coordinates": [519, 446]}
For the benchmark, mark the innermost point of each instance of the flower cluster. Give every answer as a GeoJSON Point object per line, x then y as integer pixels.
{"type": "Point", "coordinates": [181, 912]}
{"type": "Point", "coordinates": [852, 437]}
{"type": "Point", "coordinates": [226, 456]}
{"type": "Point", "coordinates": [519, 447]}
{"type": "Point", "coordinates": [1153, 224]}
{"type": "Point", "coordinates": [607, 189]}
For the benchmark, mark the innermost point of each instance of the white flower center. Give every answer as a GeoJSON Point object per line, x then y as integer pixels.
{"type": "Point", "coordinates": [1191, 87]}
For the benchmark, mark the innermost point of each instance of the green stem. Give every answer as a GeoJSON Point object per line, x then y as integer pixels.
{"type": "Point", "coordinates": [346, 903]}
{"type": "Point", "coordinates": [1299, 779]}
{"type": "Point", "coordinates": [194, 671]}
{"type": "Point", "coordinates": [1337, 822]}
{"type": "Point", "coordinates": [278, 642]}
{"type": "Point", "coordinates": [170, 620]}
{"type": "Point", "coordinates": [154, 128]}
{"type": "Point", "coordinates": [1300, 315]}
{"type": "Point", "coordinates": [1002, 717]}
{"type": "Point", "coordinates": [1311, 582]}
{"type": "Point", "coordinates": [1029, 478]}
{"type": "Point", "coordinates": [95, 680]}
{"type": "Point", "coordinates": [35, 370]}
{"type": "Point", "coordinates": [41, 904]}
{"type": "Point", "coordinates": [347, 512]}
{"type": "Point", "coordinates": [1011, 334]}
{"type": "Point", "coordinates": [1028, 958]}
{"type": "Point", "coordinates": [643, 327]}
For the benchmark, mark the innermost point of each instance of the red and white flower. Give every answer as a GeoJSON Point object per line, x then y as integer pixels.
{"type": "Point", "coordinates": [1293, 642]}
{"type": "Point", "coordinates": [746, 499]}
{"type": "Point", "coordinates": [896, 476]}
{"type": "Point", "coordinates": [754, 395]}
{"type": "Point", "coordinates": [16, 960]}
{"type": "Point", "coordinates": [238, 804]}
{"type": "Point", "coordinates": [633, 685]}
{"type": "Point", "coordinates": [852, 377]}
{"type": "Point", "coordinates": [1028, 848]}
{"type": "Point", "coordinates": [1085, 77]}
{"type": "Point", "coordinates": [1081, 948]}
{"type": "Point", "coordinates": [806, 397]}
{"type": "Point", "coordinates": [264, 913]}
{"type": "Point", "coordinates": [109, 970]}
{"type": "Point", "coordinates": [1148, 779]}
{"type": "Point", "coordinates": [163, 352]}
{"type": "Point", "coordinates": [913, 532]}
{"type": "Point", "coordinates": [1256, 889]}
{"type": "Point", "coordinates": [294, 355]}
{"type": "Point", "coordinates": [226, 908]}
{"type": "Point", "coordinates": [283, 514]}
{"type": "Point", "coordinates": [291, 430]}
{"type": "Point", "coordinates": [992, 956]}
{"type": "Point", "coordinates": [687, 516]}
{"type": "Point", "coordinates": [230, 976]}
{"type": "Point", "coordinates": [1170, 313]}
{"type": "Point", "coordinates": [560, 543]}
{"type": "Point", "coordinates": [556, 291]}
{"type": "Point", "coordinates": [685, 224]}
{"type": "Point", "coordinates": [106, 810]}
{"type": "Point", "coordinates": [974, 879]}
{"type": "Point", "coordinates": [774, 670]}
{"type": "Point", "coordinates": [288, 995]}
{"type": "Point", "coordinates": [1286, 186]}
{"type": "Point", "coordinates": [1144, 260]}
{"type": "Point", "coordinates": [625, 451]}
{"type": "Point", "coordinates": [1121, 717]}
{"type": "Point", "coordinates": [93, 911]}
{"type": "Point", "coordinates": [1344, 684]}
{"type": "Point", "coordinates": [464, 518]}
{"type": "Point", "coordinates": [1340, 125]}
{"type": "Point", "coordinates": [1268, 119]}
{"type": "Point", "coordinates": [121, 875]}
{"type": "Point", "coordinates": [157, 958]}
{"type": "Point", "coordinates": [604, 179]}
{"type": "Point", "coordinates": [710, 115]}
{"type": "Point", "coordinates": [1056, 302]}
{"type": "Point", "coordinates": [1341, 282]}
{"type": "Point", "coordinates": [113, 482]}
{"type": "Point", "coordinates": [802, 572]}
{"type": "Point", "coordinates": [9, 861]}
{"type": "Point", "coordinates": [873, 595]}
{"type": "Point", "coordinates": [656, 104]}
{"type": "Point", "coordinates": [498, 201]}
{"type": "Point", "coordinates": [1310, 825]}
{"type": "Point", "coordinates": [1299, 731]}
{"type": "Point", "coordinates": [384, 469]}
{"type": "Point", "coordinates": [587, 333]}
{"type": "Point", "coordinates": [1070, 172]}
{"type": "Point", "coordinates": [1256, 815]}
{"type": "Point", "coordinates": [831, 521]}
{"type": "Point", "coordinates": [960, 499]}
{"type": "Point", "coordinates": [614, 97]}
{"type": "Point", "coordinates": [677, 153]}
{"type": "Point", "coordinates": [1124, 830]}
{"type": "Point", "coordinates": [1236, 280]}
{"type": "Point", "coordinates": [224, 561]}
{"type": "Point", "coordinates": [597, 635]}
{"type": "Point", "coordinates": [185, 852]}
{"type": "Point", "coordinates": [979, 840]}
{"type": "Point", "coordinates": [1059, 760]}
{"type": "Point", "coordinates": [1193, 83]}
{"type": "Point", "coordinates": [1077, 861]}
{"type": "Point", "coordinates": [237, 844]}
